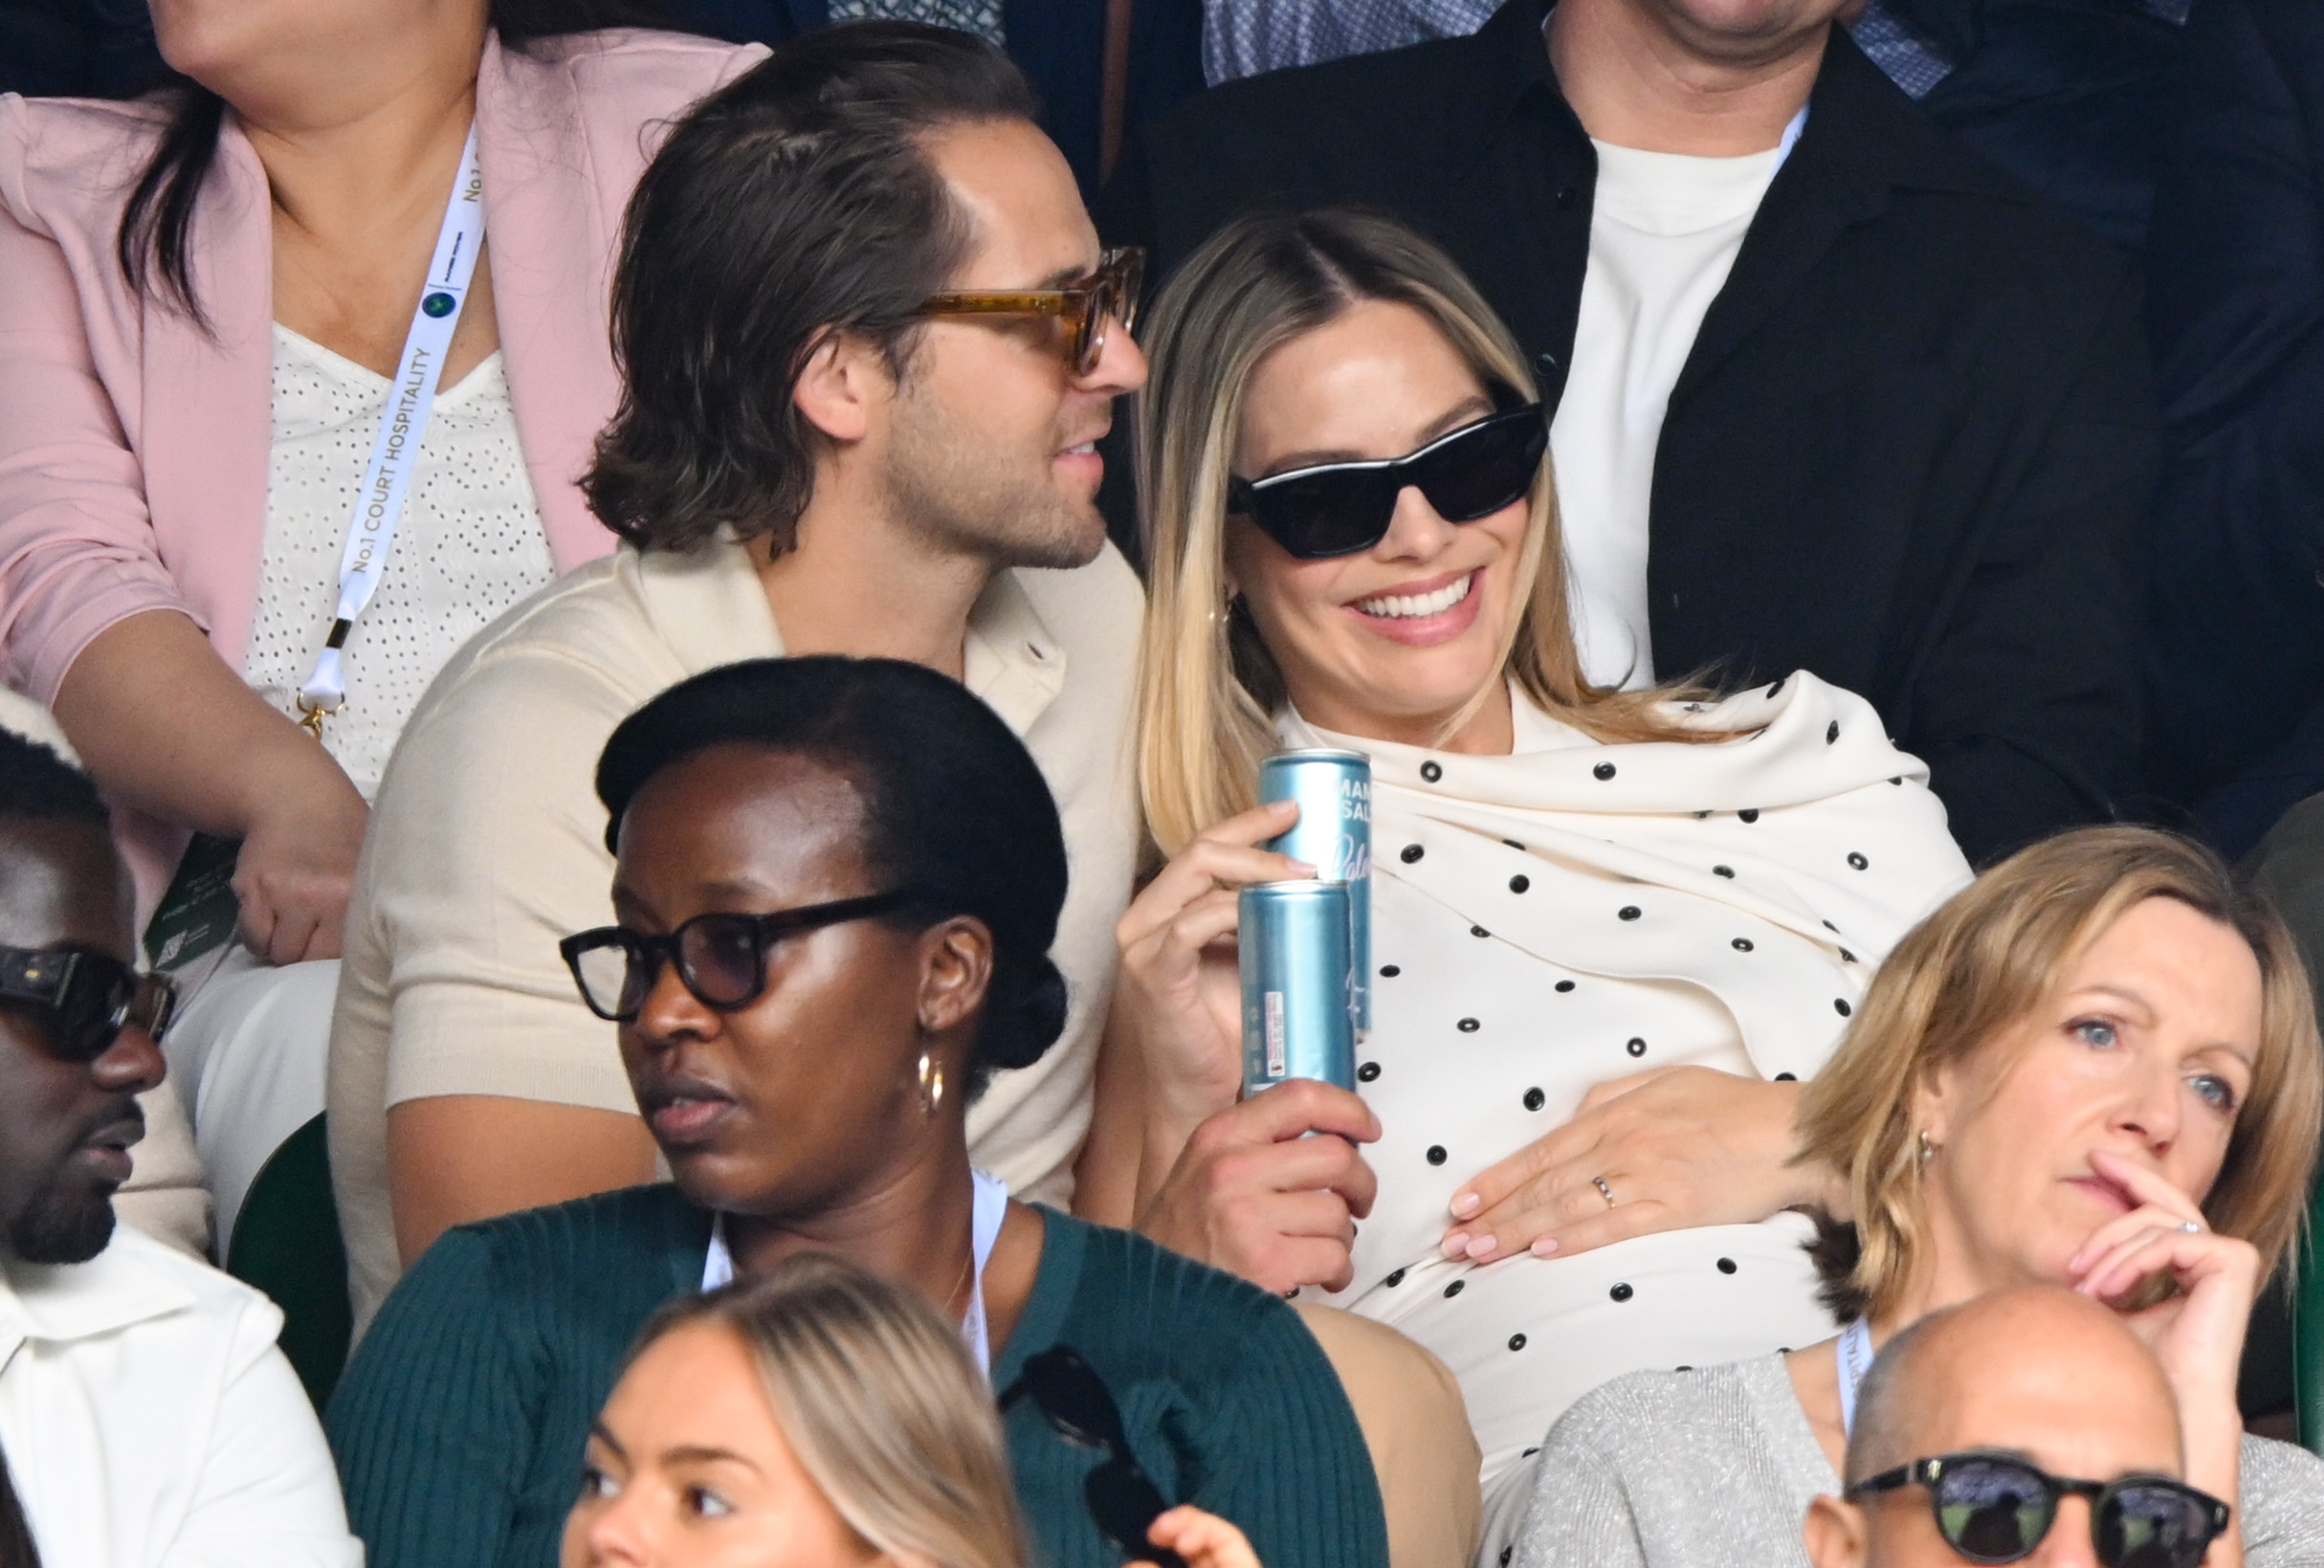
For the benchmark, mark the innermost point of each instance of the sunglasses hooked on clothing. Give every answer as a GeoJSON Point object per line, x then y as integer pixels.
{"type": "Point", "coordinates": [1337, 509]}
{"type": "Point", "coordinates": [1993, 1507]}
{"type": "Point", "coordinates": [1123, 1499]}
{"type": "Point", "coordinates": [720, 959]}
{"type": "Point", "coordinates": [1083, 308]}
{"type": "Point", "coordinates": [88, 997]}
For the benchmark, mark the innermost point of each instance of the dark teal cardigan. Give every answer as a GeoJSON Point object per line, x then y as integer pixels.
{"type": "Point", "coordinates": [459, 1424]}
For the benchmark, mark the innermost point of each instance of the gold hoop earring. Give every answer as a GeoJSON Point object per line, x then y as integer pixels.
{"type": "Point", "coordinates": [931, 1086]}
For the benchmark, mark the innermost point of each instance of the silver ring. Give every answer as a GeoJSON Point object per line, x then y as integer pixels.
{"type": "Point", "coordinates": [2191, 1227]}
{"type": "Point", "coordinates": [1603, 1191]}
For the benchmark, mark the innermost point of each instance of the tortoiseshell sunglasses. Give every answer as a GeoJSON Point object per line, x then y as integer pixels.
{"type": "Point", "coordinates": [1110, 294]}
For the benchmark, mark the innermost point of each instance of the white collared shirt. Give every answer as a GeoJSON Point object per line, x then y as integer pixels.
{"type": "Point", "coordinates": [149, 1419]}
{"type": "Point", "coordinates": [487, 846]}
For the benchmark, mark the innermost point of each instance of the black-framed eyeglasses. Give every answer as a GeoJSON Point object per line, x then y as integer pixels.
{"type": "Point", "coordinates": [1110, 294]}
{"type": "Point", "coordinates": [1123, 1499]}
{"type": "Point", "coordinates": [1996, 1508]}
{"type": "Point", "coordinates": [721, 957]}
{"type": "Point", "coordinates": [1337, 509]}
{"type": "Point", "coordinates": [89, 997]}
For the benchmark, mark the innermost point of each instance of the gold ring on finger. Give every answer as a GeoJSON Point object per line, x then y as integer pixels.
{"type": "Point", "coordinates": [1603, 1191]}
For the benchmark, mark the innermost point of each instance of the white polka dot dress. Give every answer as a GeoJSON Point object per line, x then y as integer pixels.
{"type": "Point", "coordinates": [471, 544]}
{"type": "Point", "coordinates": [1571, 914]}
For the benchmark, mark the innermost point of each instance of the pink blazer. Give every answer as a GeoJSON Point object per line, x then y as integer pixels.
{"type": "Point", "coordinates": [134, 447]}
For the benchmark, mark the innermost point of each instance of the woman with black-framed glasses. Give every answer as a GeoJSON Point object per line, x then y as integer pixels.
{"type": "Point", "coordinates": [1607, 926]}
{"type": "Point", "coordinates": [837, 883]}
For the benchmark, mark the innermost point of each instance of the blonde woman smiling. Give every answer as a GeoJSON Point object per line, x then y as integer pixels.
{"type": "Point", "coordinates": [1610, 929]}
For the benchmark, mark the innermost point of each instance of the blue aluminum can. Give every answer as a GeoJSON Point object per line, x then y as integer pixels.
{"type": "Point", "coordinates": [1334, 834]}
{"type": "Point", "coordinates": [1298, 979]}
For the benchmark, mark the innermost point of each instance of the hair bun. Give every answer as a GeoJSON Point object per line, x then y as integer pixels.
{"type": "Point", "coordinates": [1025, 1017]}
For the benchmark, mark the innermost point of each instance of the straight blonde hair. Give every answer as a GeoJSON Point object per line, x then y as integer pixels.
{"type": "Point", "coordinates": [878, 1397]}
{"type": "Point", "coordinates": [1986, 961]}
{"type": "Point", "coordinates": [1208, 689]}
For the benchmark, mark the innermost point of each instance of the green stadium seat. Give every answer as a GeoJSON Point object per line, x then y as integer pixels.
{"type": "Point", "coordinates": [286, 1243]}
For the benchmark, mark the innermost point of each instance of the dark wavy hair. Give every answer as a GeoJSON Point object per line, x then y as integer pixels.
{"type": "Point", "coordinates": [954, 806]}
{"type": "Point", "coordinates": [152, 244]}
{"type": "Point", "coordinates": [796, 202]}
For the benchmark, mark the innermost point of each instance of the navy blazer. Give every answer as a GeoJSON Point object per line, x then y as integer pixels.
{"type": "Point", "coordinates": [1911, 450]}
{"type": "Point", "coordinates": [2237, 255]}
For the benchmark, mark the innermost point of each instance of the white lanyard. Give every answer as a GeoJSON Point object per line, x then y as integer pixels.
{"type": "Point", "coordinates": [1854, 1359]}
{"type": "Point", "coordinates": [396, 451]}
{"type": "Point", "coordinates": [991, 1207]}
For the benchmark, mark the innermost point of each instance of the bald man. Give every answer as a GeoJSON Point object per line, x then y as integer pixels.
{"type": "Point", "coordinates": [2043, 1376]}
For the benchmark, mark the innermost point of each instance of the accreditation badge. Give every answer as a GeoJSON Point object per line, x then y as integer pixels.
{"type": "Point", "coordinates": [195, 925]}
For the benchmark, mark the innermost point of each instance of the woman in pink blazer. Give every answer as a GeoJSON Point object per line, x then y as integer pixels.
{"type": "Point", "coordinates": [159, 259]}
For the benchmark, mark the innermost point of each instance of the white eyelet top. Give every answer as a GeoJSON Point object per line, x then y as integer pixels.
{"type": "Point", "coordinates": [471, 544]}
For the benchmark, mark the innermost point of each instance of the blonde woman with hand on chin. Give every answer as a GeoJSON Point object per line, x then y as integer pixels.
{"type": "Point", "coordinates": [816, 1417]}
{"type": "Point", "coordinates": [2096, 1068]}
{"type": "Point", "coordinates": [1611, 929]}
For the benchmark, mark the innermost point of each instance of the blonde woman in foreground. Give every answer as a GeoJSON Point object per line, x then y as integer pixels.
{"type": "Point", "coordinates": [2095, 1068]}
{"type": "Point", "coordinates": [815, 1417]}
{"type": "Point", "coordinates": [1611, 929]}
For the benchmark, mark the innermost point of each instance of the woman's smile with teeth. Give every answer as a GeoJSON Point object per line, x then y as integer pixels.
{"type": "Point", "coordinates": [1400, 606]}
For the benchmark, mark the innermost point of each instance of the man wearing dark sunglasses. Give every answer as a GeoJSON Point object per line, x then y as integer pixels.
{"type": "Point", "coordinates": [2028, 1425]}
{"type": "Point", "coordinates": [146, 1413]}
{"type": "Point", "coordinates": [871, 342]}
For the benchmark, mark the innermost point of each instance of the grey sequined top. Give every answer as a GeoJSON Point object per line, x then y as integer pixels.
{"type": "Point", "coordinates": [1714, 1468]}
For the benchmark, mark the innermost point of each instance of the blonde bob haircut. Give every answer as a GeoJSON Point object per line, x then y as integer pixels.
{"type": "Point", "coordinates": [1988, 958]}
{"type": "Point", "coordinates": [878, 1399]}
{"type": "Point", "coordinates": [1209, 690]}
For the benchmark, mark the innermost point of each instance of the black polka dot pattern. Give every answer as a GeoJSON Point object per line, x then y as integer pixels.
{"type": "Point", "coordinates": [1518, 883]}
{"type": "Point", "coordinates": [1857, 860]}
{"type": "Point", "coordinates": [1369, 1073]}
{"type": "Point", "coordinates": [1411, 853]}
{"type": "Point", "coordinates": [1535, 1099]}
{"type": "Point", "coordinates": [1636, 1046]}
{"type": "Point", "coordinates": [1776, 687]}
{"type": "Point", "coordinates": [1468, 1026]}
{"type": "Point", "coordinates": [1749, 814]}
{"type": "Point", "coordinates": [1564, 985]}
{"type": "Point", "coordinates": [1840, 1006]}
{"type": "Point", "coordinates": [1514, 845]}
{"type": "Point", "coordinates": [1847, 957]}
{"type": "Point", "coordinates": [1604, 770]}
{"type": "Point", "coordinates": [1455, 1288]}
{"type": "Point", "coordinates": [1832, 733]}
{"type": "Point", "coordinates": [1629, 911]}
{"type": "Point", "coordinates": [1479, 931]}
{"type": "Point", "coordinates": [1389, 971]}
{"type": "Point", "coordinates": [1394, 1279]}
{"type": "Point", "coordinates": [1726, 1265]}
{"type": "Point", "coordinates": [1431, 772]}
{"type": "Point", "coordinates": [1517, 1341]}
{"type": "Point", "coordinates": [1436, 1154]}
{"type": "Point", "coordinates": [1787, 1077]}
{"type": "Point", "coordinates": [1622, 1292]}
{"type": "Point", "coordinates": [1727, 872]}
{"type": "Point", "coordinates": [1741, 944]}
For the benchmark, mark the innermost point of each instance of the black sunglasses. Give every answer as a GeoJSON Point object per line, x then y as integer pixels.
{"type": "Point", "coordinates": [1122, 1498]}
{"type": "Point", "coordinates": [1991, 1508]}
{"type": "Point", "coordinates": [1340, 508]}
{"type": "Point", "coordinates": [722, 959]}
{"type": "Point", "coordinates": [89, 998]}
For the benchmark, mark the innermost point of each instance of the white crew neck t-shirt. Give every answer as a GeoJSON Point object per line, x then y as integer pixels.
{"type": "Point", "coordinates": [1663, 232]}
